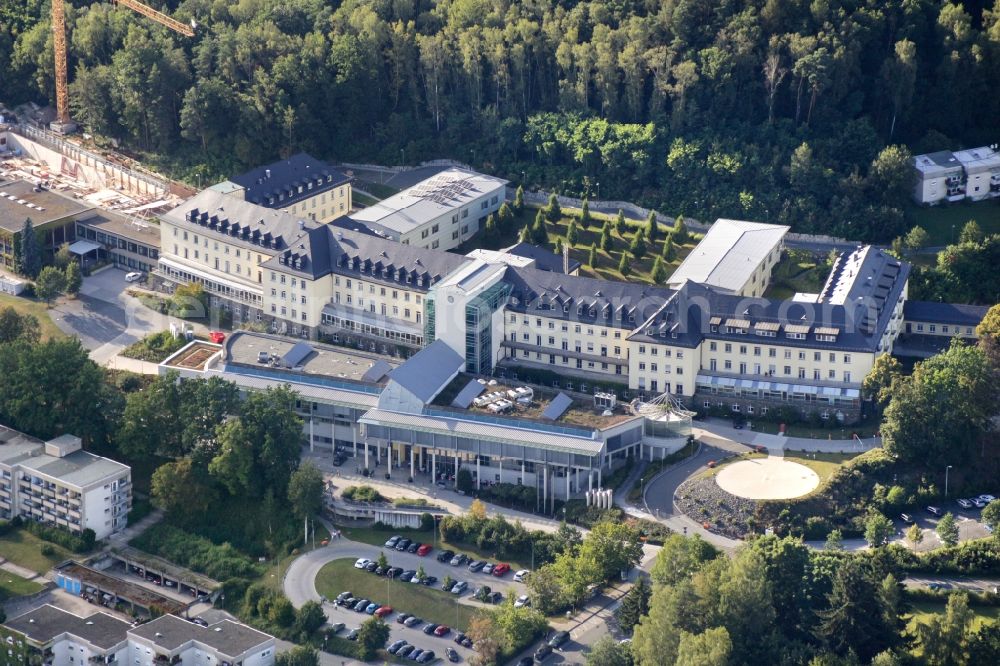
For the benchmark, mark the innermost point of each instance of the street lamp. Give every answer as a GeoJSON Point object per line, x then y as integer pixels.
{"type": "Point", "coordinates": [946, 480]}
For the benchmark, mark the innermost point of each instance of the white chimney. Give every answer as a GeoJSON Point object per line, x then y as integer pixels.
{"type": "Point", "coordinates": [566, 259]}
{"type": "Point", "coordinates": [267, 173]}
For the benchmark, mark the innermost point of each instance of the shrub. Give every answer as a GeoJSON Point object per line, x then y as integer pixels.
{"type": "Point", "coordinates": [47, 550]}
{"type": "Point", "coordinates": [189, 550]}
{"type": "Point", "coordinates": [82, 543]}
{"type": "Point", "coordinates": [362, 494]}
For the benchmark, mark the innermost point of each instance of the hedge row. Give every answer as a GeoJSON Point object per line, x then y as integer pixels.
{"type": "Point", "coordinates": [197, 553]}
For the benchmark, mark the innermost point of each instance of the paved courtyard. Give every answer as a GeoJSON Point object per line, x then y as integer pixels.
{"type": "Point", "coordinates": [767, 478]}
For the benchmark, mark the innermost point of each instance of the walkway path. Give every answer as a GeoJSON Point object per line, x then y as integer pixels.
{"type": "Point", "coordinates": [18, 570]}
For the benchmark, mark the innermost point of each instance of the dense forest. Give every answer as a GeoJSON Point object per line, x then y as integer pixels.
{"type": "Point", "coordinates": [790, 111]}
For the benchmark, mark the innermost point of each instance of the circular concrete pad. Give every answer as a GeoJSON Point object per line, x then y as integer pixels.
{"type": "Point", "coordinates": [767, 478]}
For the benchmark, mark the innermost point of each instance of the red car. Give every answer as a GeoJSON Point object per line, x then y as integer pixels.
{"type": "Point", "coordinates": [424, 549]}
{"type": "Point", "coordinates": [383, 611]}
{"type": "Point", "coordinates": [442, 631]}
{"type": "Point", "coordinates": [500, 569]}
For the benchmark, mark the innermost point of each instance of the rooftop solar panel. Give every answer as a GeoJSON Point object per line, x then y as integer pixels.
{"type": "Point", "coordinates": [296, 354]}
{"type": "Point", "coordinates": [468, 394]}
{"type": "Point", "coordinates": [557, 407]}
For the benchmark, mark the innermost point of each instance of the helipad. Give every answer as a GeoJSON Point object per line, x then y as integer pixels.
{"type": "Point", "coordinates": [767, 478]}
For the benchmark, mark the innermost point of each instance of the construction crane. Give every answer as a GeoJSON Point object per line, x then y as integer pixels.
{"type": "Point", "coordinates": [64, 124]}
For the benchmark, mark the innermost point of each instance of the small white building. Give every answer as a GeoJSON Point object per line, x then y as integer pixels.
{"type": "Point", "coordinates": [735, 257]}
{"type": "Point", "coordinates": [982, 172]}
{"type": "Point", "coordinates": [60, 484]}
{"type": "Point", "coordinates": [439, 213]}
{"type": "Point", "coordinates": [948, 176]}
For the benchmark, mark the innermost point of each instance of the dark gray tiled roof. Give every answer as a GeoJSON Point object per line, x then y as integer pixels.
{"type": "Point", "coordinates": [573, 298]}
{"type": "Point", "coordinates": [285, 177]}
{"type": "Point", "coordinates": [544, 259]}
{"type": "Point", "coordinates": [46, 622]}
{"type": "Point", "coordinates": [170, 632]}
{"type": "Point", "coordinates": [944, 313]}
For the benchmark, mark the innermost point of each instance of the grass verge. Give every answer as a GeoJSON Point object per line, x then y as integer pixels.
{"type": "Point", "coordinates": [922, 612]}
{"type": "Point", "coordinates": [944, 222]}
{"type": "Point", "coordinates": [824, 464]}
{"type": "Point", "coordinates": [37, 309]}
{"type": "Point", "coordinates": [433, 605]}
{"type": "Point", "coordinates": [25, 549]}
{"type": "Point", "coordinates": [14, 586]}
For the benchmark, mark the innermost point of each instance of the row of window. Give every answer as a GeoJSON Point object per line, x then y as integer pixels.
{"type": "Point", "coordinates": [371, 289]}
{"type": "Point", "coordinates": [564, 327]}
{"type": "Point", "coordinates": [565, 360]}
{"type": "Point", "coordinates": [932, 328]}
{"type": "Point", "coordinates": [773, 353]}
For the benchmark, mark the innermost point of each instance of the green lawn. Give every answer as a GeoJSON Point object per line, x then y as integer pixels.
{"type": "Point", "coordinates": [15, 586]}
{"type": "Point", "coordinates": [359, 198]}
{"type": "Point", "coordinates": [377, 537]}
{"type": "Point", "coordinates": [25, 549]}
{"type": "Point", "coordinates": [865, 429]}
{"type": "Point", "coordinates": [923, 610]}
{"type": "Point", "coordinates": [944, 222]}
{"type": "Point", "coordinates": [798, 271]}
{"type": "Point", "coordinates": [36, 308]}
{"type": "Point", "coordinates": [824, 464]}
{"type": "Point", "coordinates": [430, 603]}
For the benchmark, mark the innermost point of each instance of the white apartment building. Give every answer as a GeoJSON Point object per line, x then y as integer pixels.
{"type": "Point", "coordinates": [301, 185]}
{"type": "Point", "coordinates": [948, 176]}
{"type": "Point", "coordinates": [439, 213]}
{"type": "Point", "coordinates": [58, 483]}
{"type": "Point", "coordinates": [64, 639]}
{"type": "Point", "coordinates": [735, 257]}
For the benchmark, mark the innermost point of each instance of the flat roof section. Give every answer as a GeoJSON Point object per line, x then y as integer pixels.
{"type": "Point", "coordinates": [429, 200]}
{"type": "Point", "coordinates": [122, 589]}
{"type": "Point", "coordinates": [227, 637]}
{"type": "Point", "coordinates": [43, 624]}
{"type": "Point", "coordinates": [729, 254]}
{"type": "Point", "coordinates": [193, 356]}
{"type": "Point", "coordinates": [19, 201]}
{"type": "Point", "coordinates": [245, 348]}
{"type": "Point", "coordinates": [80, 468]}
{"type": "Point", "coordinates": [146, 232]}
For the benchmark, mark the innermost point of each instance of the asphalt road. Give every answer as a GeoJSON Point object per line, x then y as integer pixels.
{"type": "Point", "coordinates": [94, 321]}
{"type": "Point", "coordinates": [300, 586]}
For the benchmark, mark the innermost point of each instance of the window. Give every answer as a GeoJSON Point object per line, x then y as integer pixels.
{"type": "Point", "coordinates": [728, 365]}
{"type": "Point", "coordinates": [465, 213]}
{"type": "Point", "coordinates": [434, 229]}
{"type": "Point", "coordinates": [728, 348]}
{"type": "Point", "coordinates": [847, 358]}
{"type": "Point", "coordinates": [847, 376]}
{"type": "Point", "coordinates": [711, 346]}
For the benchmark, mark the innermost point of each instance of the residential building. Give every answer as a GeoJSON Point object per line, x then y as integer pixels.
{"type": "Point", "coordinates": [58, 483]}
{"type": "Point", "coordinates": [734, 257]}
{"type": "Point", "coordinates": [301, 185]}
{"type": "Point", "coordinates": [948, 176]}
{"type": "Point", "coordinates": [439, 213]}
{"type": "Point", "coordinates": [930, 327]}
{"type": "Point", "coordinates": [127, 243]}
{"type": "Point", "coordinates": [54, 636]}
{"type": "Point", "coordinates": [52, 215]}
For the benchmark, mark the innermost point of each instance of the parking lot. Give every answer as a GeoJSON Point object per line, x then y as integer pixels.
{"type": "Point", "coordinates": [967, 518]}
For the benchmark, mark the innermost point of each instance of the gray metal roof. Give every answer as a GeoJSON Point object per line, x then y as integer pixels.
{"type": "Point", "coordinates": [468, 394]}
{"type": "Point", "coordinates": [557, 407]}
{"type": "Point", "coordinates": [229, 638]}
{"type": "Point", "coordinates": [377, 371]}
{"type": "Point", "coordinates": [80, 468]}
{"type": "Point", "coordinates": [298, 353]}
{"type": "Point", "coordinates": [944, 313]}
{"type": "Point", "coordinates": [729, 254]}
{"type": "Point", "coordinates": [428, 371]}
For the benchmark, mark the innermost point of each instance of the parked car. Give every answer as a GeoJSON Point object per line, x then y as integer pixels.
{"type": "Point", "coordinates": [542, 652]}
{"type": "Point", "coordinates": [445, 556]}
{"type": "Point", "coordinates": [393, 540]}
{"type": "Point", "coordinates": [987, 498]}
{"type": "Point", "coordinates": [494, 598]}
{"type": "Point", "coordinates": [407, 575]}
{"type": "Point", "coordinates": [429, 580]}
{"type": "Point", "coordinates": [521, 576]}
{"type": "Point", "coordinates": [476, 566]}
{"type": "Point", "coordinates": [427, 657]}
{"type": "Point", "coordinates": [501, 569]}
{"type": "Point", "coordinates": [442, 630]}
{"type": "Point", "coordinates": [371, 567]}
{"type": "Point", "coordinates": [459, 560]}
{"type": "Point", "coordinates": [413, 656]}
{"type": "Point", "coordinates": [362, 563]}
{"type": "Point", "coordinates": [352, 635]}
{"type": "Point", "coordinates": [979, 502]}
{"type": "Point", "coordinates": [340, 597]}
{"type": "Point", "coordinates": [413, 547]}
{"type": "Point", "coordinates": [964, 503]}
{"type": "Point", "coordinates": [200, 622]}
{"type": "Point", "coordinates": [381, 571]}
{"type": "Point", "coordinates": [939, 586]}
{"type": "Point", "coordinates": [403, 617]}
{"type": "Point", "coordinates": [416, 579]}
{"type": "Point", "coordinates": [481, 591]}
{"type": "Point", "coordinates": [459, 587]}
{"type": "Point", "coordinates": [452, 655]}
{"type": "Point", "coordinates": [429, 629]}
{"type": "Point", "coordinates": [394, 572]}
{"type": "Point", "coordinates": [371, 608]}
{"type": "Point", "coordinates": [360, 606]}
{"type": "Point", "coordinates": [525, 661]}
{"type": "Point", "coordinates": [134, 276]}
{"type": "Point", "coordinates": [467, 642]}
{"type": "Point", "coordinates": [349, 602]}
{"type": "Point", "coordinates": [337, 627]}
{"type": "Point", "coordinates": [487, 568]}
{"type": "Point", "coordinates": [403, 544]}
{"type": "Point", "coordinates": [906, 518]}
{"type": "Point", "coordinates": [934, 510]}
{"type": "Point", "coordinates": [459, 637]}
{"type": "Point", "coordinates": [522, 601]}
{"type": "Point", "coordinates": [558, 639]}
{"type": "Point", "coordinates": [394, 646]}
{"type": "Point", "coordinates": [424, 549]}
{"type": "Point", "coordinates": [412, 621]}
{"type": "Point", "coordinates": [383, 611]}
{"type": "Point", "coordinates": [405, 650]}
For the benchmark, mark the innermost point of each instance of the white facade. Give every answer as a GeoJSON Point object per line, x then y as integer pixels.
{"type": "Point", "coordinates": [439, 213]}
{"type": "Point", "coordinates": [60, 484]}
{"type": "Point", "coordinates": [948, 176]}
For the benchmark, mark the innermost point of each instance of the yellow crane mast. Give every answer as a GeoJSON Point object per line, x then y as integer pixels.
{"type": "Point", "coordinates": [64, 124]}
